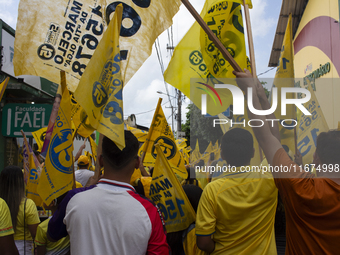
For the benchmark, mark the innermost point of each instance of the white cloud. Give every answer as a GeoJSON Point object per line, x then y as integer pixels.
{"type": "Point", "coordinates": [261, 21]}
{"type": "Point", "coordinates": [6, 2]}
{"type": "Point", "coordinates": [9, 17]}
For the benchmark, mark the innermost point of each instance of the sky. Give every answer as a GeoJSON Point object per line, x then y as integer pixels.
{"type": "Point", "coordinates": [140, 93]}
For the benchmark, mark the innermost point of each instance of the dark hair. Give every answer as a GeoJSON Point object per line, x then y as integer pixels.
{"type": "Point", "coordinates": [237, 147]}
{"type": "Point", "coordinates": [328, 147]}
{"type": "Point", "coordinates": [117, 158]}
{"type": "Point", "coordinates": [12, 190]}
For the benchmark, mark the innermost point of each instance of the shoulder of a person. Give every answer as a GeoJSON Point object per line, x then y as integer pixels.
{"type": "Point", "coordinates": [146, 202]}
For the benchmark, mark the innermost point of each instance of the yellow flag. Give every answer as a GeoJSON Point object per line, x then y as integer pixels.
{"type": "Point", "coordinates": [168, 194]}
{"type": "Point", "coordinates": [196, 56]}
{"type": "Point", "coordinates": [181, 143]}
{"type": "Point", "coordinates": [310, 127]}
{"type": "Point", "coordinates": [80, 119]}
{"type": "Point", "coordinates": [53, 35]}
{"type": "Point", "coordinates": [160, 132]}
{"type": "Point", "coordinates": [93, 148]}
{"type": "Point", "coordinates": [195, 154]}
{"type": "Point", "coordinates": [284, 77]}
{"type": "Point", "coordinates": [100, 88]}
{"type": "Point", "coordinates": [57, 175]}
{"type": "Point", "coordinates": [138, 133]}
{"type": "Point", "coordinates": [39, 137]}
{"type": "Point", "coordinates": [3, 87]}
{"type": "Point", "coordinates": [33, 180]}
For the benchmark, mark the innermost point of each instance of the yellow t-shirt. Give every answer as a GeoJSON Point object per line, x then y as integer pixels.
{"type": "Point", "coordinates": [31, 217]}
{"type": "Point", "coordinates": [239, 211]}
{"type": "Point", "coordinates": [6, 227]}
{"type": "Point", "coordinates": [189, 242]}
{"type": "Point", "coordinates": [59, 247]}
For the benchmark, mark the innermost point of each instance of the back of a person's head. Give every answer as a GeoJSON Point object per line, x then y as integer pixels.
{"type": "Point", "coordinates": [193, 193]}
{"type": "Point", "coordinates": [328, 147]}
{"type": "Point", "coordinates": [237, 147]}
{"type": "Point", "coordinates": [12, 189]}
{"type": "Point", "coordinates": [116, 158]}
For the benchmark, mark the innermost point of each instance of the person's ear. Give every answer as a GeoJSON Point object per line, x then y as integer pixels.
{"type": "Point", "coordinates": [138, 161]}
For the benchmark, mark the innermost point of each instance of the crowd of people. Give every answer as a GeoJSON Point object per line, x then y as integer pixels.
{"type": "Point", "coordinates": [235, 212]}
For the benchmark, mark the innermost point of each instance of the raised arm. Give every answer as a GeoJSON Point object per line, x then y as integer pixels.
{"type": "Point", "coordinates": [264, 135]}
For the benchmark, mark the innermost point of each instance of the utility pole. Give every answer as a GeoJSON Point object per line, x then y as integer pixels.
{"type": "Point", "coordinates": [179, 112]}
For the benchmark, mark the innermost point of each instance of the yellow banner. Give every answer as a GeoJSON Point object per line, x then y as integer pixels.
{"type": "Point", "coordinates": [100, 88]}
{"type": "Point", "coordinates": [57, 175]}
{"type": "Point", "coordinates": [284, 77]}
{"type": "Point", "coordinates": [196, 56]}
{"type": "Point", "coordinates": [63, 35]}
{"type": "Point", "coordinates": [168, 194]}
{"type": "Point", "coordinates": [310, 127]}
{"type": "Point", "coordinates": [160, 133]}
{"type": "Point", "coordinates": [39, 137]}
{"type": "Point", "coordinates": [33, 180]}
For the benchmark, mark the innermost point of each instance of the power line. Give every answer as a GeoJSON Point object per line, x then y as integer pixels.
{"type": "Point", "coordinates": [266, 71]}
{"type": "Point", "coordinates": [147, 111]}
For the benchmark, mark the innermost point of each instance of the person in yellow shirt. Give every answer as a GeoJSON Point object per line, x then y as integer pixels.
{"type": "Point", "coordinates": [7, 245]}
{"type": "Point", "coordinates": [236, 212]}
{"type": "Point", "coordinates": [23, 210]}
{"type": "Point", "coordinates": [44, 246]}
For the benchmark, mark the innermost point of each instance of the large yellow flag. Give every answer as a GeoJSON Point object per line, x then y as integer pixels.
{"type": "Point", "coordinates": [310, 126]}
{"type": "Point", "coordinates": [168, 194]}
{"type": "Point", "coordinates": [39, 137]}
{"type": "Point", "coordinates": [160, 133]}
{"type": "Point", "coordinates": [57, 175]}
{"type": "Point", "coordinates": [53, 35]}
{"type": "Point", "coordinates": [197, 57]}
{"type": "Point", "coordinates": [100, 88]}
{"type": "Point", "coordinates": [284, 77]}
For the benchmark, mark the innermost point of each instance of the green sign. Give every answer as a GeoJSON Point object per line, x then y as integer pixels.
{"type": "Point", "coordinates": [26, 117]}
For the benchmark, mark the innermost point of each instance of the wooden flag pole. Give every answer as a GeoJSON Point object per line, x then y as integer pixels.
{"type": "Point", "coordinates": [212, 36]}
{"type": "Point", "coordinates": [250, 39]}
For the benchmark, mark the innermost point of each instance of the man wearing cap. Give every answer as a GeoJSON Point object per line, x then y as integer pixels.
{"type": "Point", "coordinates": [82, 175]}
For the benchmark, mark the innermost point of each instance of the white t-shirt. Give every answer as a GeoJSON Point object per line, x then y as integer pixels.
{"type": "Point", "coordinates": [110, 218]}
{"type": "Point", "coordinates": [83, 175]}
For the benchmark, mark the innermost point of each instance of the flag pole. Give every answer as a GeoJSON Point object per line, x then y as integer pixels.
{"type": "Point", "coordinates": [146, 144]}
{"type": "Point", "coordinates": [250, 39]}
{"type": "Point", "coordinates": [212, 36]}
{"type": "Point", "coordinates": [63, 87]}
